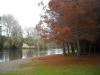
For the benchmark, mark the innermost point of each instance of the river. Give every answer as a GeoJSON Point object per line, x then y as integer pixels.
{"type": "Point", "coordinates": [9, 55]}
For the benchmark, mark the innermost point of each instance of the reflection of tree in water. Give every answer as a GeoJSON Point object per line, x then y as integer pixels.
{"type": "Point", "coordinates": [4, 56]}
{"type": "Point", "coordinates": [15, 54]}
{"type": "Point", "coordinates": [43, 52]}
{"type": "Point", "coordinates": [27, 53]}
{"type": "Point", "coordinates": [1, 54]}
{"type": "Point", "coordinates": [40, 52]}
{"type": "Point", "coordinates": [33, 53]}
{"type": "Point", "coordinates": [8, 55]}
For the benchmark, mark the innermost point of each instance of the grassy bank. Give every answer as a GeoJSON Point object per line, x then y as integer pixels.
{"type": "Point", "coordinates": [43, 70]}
{"type": "Point", "coordinates": [39, 67]}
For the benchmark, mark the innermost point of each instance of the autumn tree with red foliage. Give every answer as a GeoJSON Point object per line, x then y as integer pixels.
{"type": "Point", "coordinates": [79, 15]}
{"type": "Point", "coordinates": [72, 20]}
{"type": "Point", "coordinates": [56, 33]}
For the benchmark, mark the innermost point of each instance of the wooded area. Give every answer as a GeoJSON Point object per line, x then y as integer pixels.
{"type": "Point", "coordinates": [72, 23]}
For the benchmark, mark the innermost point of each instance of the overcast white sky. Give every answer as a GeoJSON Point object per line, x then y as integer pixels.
{"type": "Point", "coordinates": [25, 11]}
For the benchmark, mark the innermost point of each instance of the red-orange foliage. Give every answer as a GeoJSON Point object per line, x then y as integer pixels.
{"type": "Point", "coordinates": [60, 34]}
{"type": "Point", "coordinates": [79, 15]}
{"type": "Point", "coordinates": [72, 19]}
{"type": "Point", "coordinates": [56, 33]}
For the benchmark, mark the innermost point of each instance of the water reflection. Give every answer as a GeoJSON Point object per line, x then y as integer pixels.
{"type": "Point", "coordinates": [54, 51]}
{"type": "Point", "coordinates": [8, 55]}
{"type": "Point", "coordinates": [15, 54]}
{"type": "Point", "coordinates": [4, 56]}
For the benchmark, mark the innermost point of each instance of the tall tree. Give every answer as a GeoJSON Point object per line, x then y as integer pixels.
{"type": "Point", "coordinates": [13, 31]}
{"type": "Point", "coordinates": [8, 22]}
{"type": "Point", "coordinates": [81, 17]}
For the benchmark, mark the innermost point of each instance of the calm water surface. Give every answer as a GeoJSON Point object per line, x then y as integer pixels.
{"type": "Point", "coordinates": [8, 55]}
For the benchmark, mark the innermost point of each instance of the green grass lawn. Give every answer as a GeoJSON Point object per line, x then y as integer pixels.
{"type": "Point", "coordinates": [68, 70]}
{"type": "Point", "coordinates": [41, 69]}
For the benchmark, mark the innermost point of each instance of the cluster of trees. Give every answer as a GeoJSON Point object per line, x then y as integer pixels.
{"type": "Point", "coordinates": [11, 32]}
{"type": "Point", "coordinates": [30, 36]}
{"type": "Point", "coordinates": [69, 22]}
{"type": "Point", "coordinates": [33, 39]}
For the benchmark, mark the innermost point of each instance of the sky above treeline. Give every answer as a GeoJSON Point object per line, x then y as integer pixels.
{"type": "Point", "coordinates": [27, 12]}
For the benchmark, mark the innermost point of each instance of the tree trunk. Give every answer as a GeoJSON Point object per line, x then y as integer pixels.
{"type": "Point", "coordinates": [72, 48]}
{"type": "Point", "coordinates": [68, 48]}
{"type": "Point", "coordinates": [78, 50]}
{"type": "Point", "coordinates": [64, 50]}
{"type": "Point", "coordinates": [90, 49]}
{"type": "Point", "coordinates": [94, 49]}
{"type": "Point", "coordinates": [99, 47]}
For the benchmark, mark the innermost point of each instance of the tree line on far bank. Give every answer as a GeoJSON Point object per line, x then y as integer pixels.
{"type": "Point", "coordinates": [11, 34]}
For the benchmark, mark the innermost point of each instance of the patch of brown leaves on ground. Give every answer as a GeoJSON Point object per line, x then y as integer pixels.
{"type": "Point", "coordinates": [69, 60]}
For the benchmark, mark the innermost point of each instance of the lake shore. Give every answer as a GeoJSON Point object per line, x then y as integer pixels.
{"type": "Point", "coordinates": [12, 65]}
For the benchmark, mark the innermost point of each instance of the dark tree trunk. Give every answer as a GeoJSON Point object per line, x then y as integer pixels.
{"type": "Point", "coordinates": [64, 50]}
{"type": "Point", "coordinates": [78, 49]}
{"type": "Point", "coordinates": [90, 49]}
{"type": "Point", "coordinates": [68, 48]}
{"type": "Point", "coordinates": [94, 49]}
{"type": "Point", "coordinates": [72, 48]}
{"type": "Point", "coordinates": [99, 47]}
